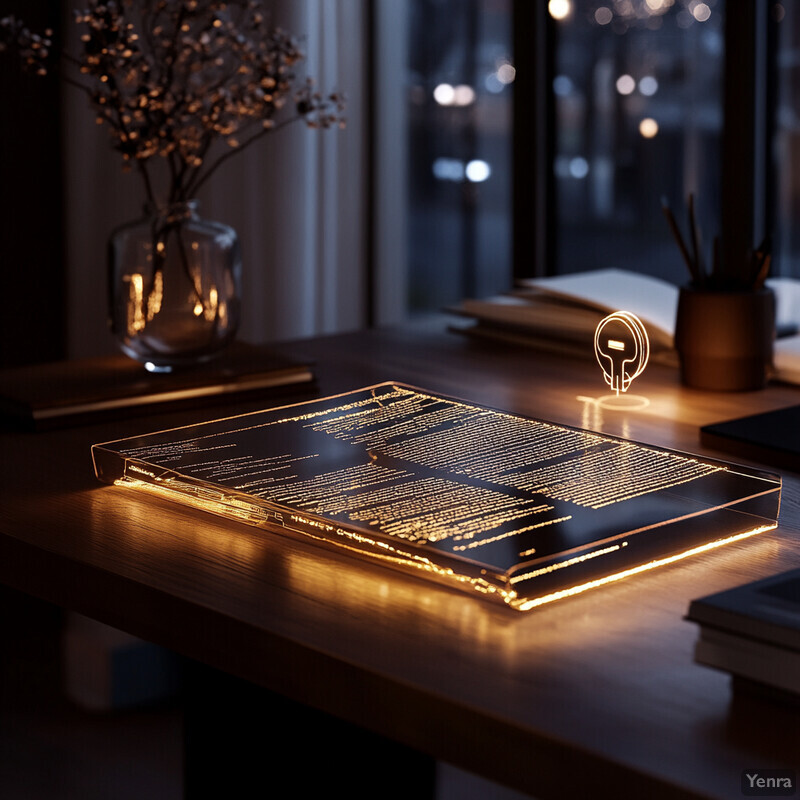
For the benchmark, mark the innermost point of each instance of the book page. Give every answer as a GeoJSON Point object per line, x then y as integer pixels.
{"type": "Point", "coordinates": [653, 300]}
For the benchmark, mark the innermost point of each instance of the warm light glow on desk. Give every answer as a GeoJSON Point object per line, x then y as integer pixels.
{"type": "Point", "coordinates": [515, 509]}
{"type": "Point", "coordinates": [527, 605]}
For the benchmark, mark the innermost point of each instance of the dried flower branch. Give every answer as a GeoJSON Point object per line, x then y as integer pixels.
{"type": "Point", "coordinates": [189, 82]}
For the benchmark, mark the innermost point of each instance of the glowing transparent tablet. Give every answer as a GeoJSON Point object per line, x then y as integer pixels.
{"type": "Point", "coordinates": [514, 509]}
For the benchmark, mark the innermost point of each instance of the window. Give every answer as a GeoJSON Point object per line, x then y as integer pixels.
{"type": "Point", "coordinates": [610, 107]}
{"type": "Point", "coordinates": [786, 143]}
{"type": "Point", "coordinates": [638, 116]}
{"type": "Point", "coordinates": [452, 162]}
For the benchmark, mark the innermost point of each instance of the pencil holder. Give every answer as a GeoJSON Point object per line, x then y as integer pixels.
{"type": "Point", "coordinates": [724, 338]}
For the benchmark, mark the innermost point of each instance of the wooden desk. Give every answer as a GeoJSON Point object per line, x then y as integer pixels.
{"type": "Point", "coordinates": [596, 694]}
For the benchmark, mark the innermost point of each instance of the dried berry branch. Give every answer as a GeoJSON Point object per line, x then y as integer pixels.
{"type": "Point", "coordinates": [183, 81]}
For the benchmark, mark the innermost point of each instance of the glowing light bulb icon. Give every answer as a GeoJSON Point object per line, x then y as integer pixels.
{"type": "Point", "coordinates": [622, 349]}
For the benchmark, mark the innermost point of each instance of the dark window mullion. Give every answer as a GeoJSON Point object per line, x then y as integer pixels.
{"type": "Point", "coordinates": [746, 135]}
{"type": "Point", "coordinates": [533, 130]}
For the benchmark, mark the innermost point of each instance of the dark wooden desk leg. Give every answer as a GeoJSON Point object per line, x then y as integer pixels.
{"type": "Point", "coordinates": [243, 741]}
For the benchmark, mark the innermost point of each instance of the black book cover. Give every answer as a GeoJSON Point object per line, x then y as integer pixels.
{"type": "Point", "coordinates": [753, 633]}
{"type": "Point", "coordinates": [68, 392]}
{"type": "Point", "coordinates": [766, 611]}
{"type": "Point", "coordinates": [771, 437]}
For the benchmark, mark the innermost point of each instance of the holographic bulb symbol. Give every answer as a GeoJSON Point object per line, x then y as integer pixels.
{"type": "Point", "coordinates": [622, 348]}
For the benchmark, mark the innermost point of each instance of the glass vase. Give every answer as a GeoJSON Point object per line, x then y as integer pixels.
{"type": "Point", "coordinates": [175, 287]}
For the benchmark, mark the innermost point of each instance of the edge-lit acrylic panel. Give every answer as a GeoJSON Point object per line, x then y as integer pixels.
{"type": "Point", "coordinates": [515, 509]}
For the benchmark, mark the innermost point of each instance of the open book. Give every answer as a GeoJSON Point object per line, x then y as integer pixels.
{"type": "Point", "coordinates": [561, 313]}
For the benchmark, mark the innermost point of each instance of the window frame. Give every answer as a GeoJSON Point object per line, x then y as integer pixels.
{"type": "Point", "coordinates": [748, 205]}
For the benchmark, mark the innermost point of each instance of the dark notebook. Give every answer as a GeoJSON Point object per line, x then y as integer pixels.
{"type": "Point", "coordinates": [69, 392]}
{"type": "Point", "coordinates": [767, 610]}
{"type": "Point", "coordinates": [772, 437]}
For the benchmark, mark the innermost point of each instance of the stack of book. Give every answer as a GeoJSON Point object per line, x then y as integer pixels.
{"type": "Point", "coordinates": [560, 313]}
{"type": "Point", "coordinates": [753, 632]}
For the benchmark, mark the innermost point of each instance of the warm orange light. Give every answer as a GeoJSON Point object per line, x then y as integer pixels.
{"type": "Point", "coordinates": [516, 509]}
{"type": "Point", "coordinates": [141, 309]}
{"type": "Point", "coordinates": [648, 128]}
{"type": "Point", "coordinates": [526, 605]}
{"type": "Point", "coordinates": [560, 9]}
{"type": "Point", "coordinates": [349, 540]}
{"type": "Point", "coordinates": [512, 533]}
{"type": "Point", "coordinates": [622, 349]}
{"type": "Point", "coordinates": [135, 317]}
{"type": "Point", "coordinates": [568, 563]}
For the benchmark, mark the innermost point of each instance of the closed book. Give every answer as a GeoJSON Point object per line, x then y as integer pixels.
{"type": "Point", "coordinates": [753, 631]}
{"type": "Point", "coordinates": [770, 437]}
{"type": "Point", "coordinates": [71, 392]}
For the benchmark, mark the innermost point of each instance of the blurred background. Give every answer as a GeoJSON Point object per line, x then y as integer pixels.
{"type": "Point", "coordinates": [487, 140]}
